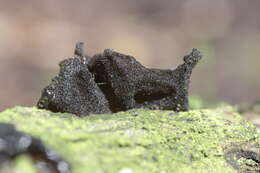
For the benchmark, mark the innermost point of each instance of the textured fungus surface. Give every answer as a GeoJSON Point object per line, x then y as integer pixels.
{"type": "Point", "coordinates": [14, 143]}
{"type": "Point", "coordinates": [139, 141]}
{"type": "Point", "coordinates": [74, 91]}
{"type": "Point", "coordinates": [127, 84]}
{"type": "Point", "coordinates": [112, 82]}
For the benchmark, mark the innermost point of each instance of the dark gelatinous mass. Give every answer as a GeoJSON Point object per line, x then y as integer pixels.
{"type": "Point", "coordinates": [14, 143]}
{"type": "Point", "coordinates": [74, 91]}
{"type": "Point", "coordinates": [112, 82]}
{"type": "Point", "coordinates": [127, 84]}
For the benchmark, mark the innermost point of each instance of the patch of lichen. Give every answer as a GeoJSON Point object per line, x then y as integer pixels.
{"type": "Point", "coordinates": [142, 140]}
{"type": "Point", "coordinates": [248, 164]}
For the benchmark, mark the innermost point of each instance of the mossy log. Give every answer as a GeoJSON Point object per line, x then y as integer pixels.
{"type": "Point", "coordinates": [136, 141]}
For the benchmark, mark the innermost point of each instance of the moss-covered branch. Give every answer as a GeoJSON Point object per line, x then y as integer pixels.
{"type": "Point", "coordinates": [141, 140]}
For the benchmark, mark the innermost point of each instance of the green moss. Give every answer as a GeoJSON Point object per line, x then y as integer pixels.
{"type": "Point", "coordinates": [139, 140]}
{"type": "Point", "coordinates": [248, 164]}
{"type": "Point", "coordinates": [196, 102]}
{"type": "Point", "coordinates": [24, 164]}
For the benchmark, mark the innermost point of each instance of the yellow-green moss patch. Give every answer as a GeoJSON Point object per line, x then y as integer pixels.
{"type": "Point", "coordinates": [139, 140]}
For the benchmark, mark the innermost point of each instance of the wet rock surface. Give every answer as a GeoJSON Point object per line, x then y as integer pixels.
{"type": "Point", "coordinates": [112, 82]}
{"type": "Point", "coordinates": [14, 143]}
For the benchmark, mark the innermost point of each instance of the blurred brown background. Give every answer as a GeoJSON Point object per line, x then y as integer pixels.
{"type": "Point", "coordinates": [36, 35]}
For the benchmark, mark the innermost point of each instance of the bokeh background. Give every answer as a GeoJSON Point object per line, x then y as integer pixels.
{"type": "Point", "coordinates": [36, 35]}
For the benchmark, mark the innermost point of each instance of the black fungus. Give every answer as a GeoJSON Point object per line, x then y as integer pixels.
{"type": "Point", "coordinates": [127, 84]}
{"type": "Point", "coordinates": [112, 82]}
{"type": "Point", "coordinates": [74, 91]}
{"type": "Point", "coordinates": [14, 143]}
